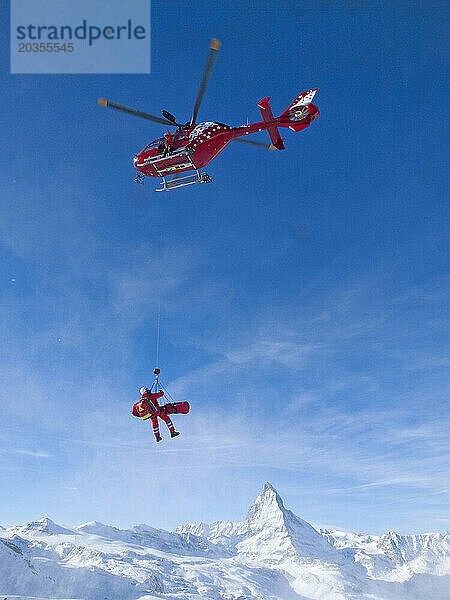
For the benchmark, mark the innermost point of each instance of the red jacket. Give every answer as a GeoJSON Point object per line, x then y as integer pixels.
{"type": "Point", "coordinates": [168, 139]}
{"type": "Point", "coordinates": [148, 406]}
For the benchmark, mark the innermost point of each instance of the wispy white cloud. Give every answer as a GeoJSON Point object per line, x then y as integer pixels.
{"type": "Point", "coordinates": [11, 450]}
{"type": "Point", "coordinates": [287, 353]}
{"type": "Point", "coordinates": [168, 276]}
{"type": "Point", "coordinates": [33, 453]}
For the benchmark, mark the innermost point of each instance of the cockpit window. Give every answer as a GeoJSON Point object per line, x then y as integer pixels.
{"type": "Point", "coordinates": [152, 144]}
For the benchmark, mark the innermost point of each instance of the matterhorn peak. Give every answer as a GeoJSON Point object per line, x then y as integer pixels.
{"type": "Point", "coordinates": [267, 508]}
{"type": "Point", "coordinates": [267, 487]}
{"type": "Point", "coordinates": [274, 531]}
{"type": "Point", "coordinates": [270, 494]}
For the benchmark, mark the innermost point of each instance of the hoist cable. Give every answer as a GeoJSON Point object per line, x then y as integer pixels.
{"type": "Point", "coordinates": [158, 324]}
{"type": "Point", "coordinates": [158, 327]}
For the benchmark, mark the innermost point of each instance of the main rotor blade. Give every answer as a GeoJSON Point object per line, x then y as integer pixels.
{"type": "Point", "coordinates": [132, 111]}
{"type": "Point", "coordinates": [213, 50]}
{"type": "Point", "coordinates": [171, 118]}
{"type": "Point", "coordinates": [253, 143]}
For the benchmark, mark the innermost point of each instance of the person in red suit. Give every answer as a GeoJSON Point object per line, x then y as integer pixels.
{"type": "Point", "coordinates": [148, 408]}
{"type": "Point", "coordinates": [168, 143]}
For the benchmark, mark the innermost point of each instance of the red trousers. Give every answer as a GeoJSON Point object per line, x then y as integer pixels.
{"type": "Point", "coordinates": [165, 417]}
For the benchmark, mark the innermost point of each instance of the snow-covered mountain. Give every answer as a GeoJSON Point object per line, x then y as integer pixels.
{"type": "Point", "coordinates": [272, 555]}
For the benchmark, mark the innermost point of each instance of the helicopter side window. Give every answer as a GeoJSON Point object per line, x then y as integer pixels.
{"type": "Point", "coordinates": [151, 145]}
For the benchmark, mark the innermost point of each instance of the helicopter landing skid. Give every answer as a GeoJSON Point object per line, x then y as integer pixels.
{"type": "Point", "coordinates": [176, 182]}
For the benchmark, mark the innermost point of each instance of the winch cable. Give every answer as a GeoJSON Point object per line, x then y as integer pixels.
{"type": "Point", "coordinates": [158, 328]}
{"type": "Point", "coordinates": [156, 370]}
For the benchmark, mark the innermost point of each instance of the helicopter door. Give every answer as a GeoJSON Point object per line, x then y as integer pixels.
{"type": "Point", "coordinates": [161, 145]}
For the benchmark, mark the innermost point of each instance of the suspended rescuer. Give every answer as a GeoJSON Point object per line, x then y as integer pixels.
{"type": "Point", "coordinates": [148, 408]}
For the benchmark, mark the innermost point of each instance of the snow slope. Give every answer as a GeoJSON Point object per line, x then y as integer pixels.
{"type": "Point", "coordinates": [272, 555]}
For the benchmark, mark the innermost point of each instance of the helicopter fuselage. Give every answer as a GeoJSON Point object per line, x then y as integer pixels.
{"type": "Point", "coordinates": [192, 148]}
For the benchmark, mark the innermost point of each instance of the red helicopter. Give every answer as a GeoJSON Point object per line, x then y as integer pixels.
{"type": "Point", "coordinates": [194, 145]}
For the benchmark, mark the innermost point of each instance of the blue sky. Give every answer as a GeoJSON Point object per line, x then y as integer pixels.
{"type": "Point", "coordinates": [302, 294]}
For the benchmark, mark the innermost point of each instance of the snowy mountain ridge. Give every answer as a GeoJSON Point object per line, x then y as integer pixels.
{"type": "Point", "coordinates": [270, 531]}
{"type": "Point", "coordinates": [43, 526]}
{"type": "Point", "coordinates": [271, 555]}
